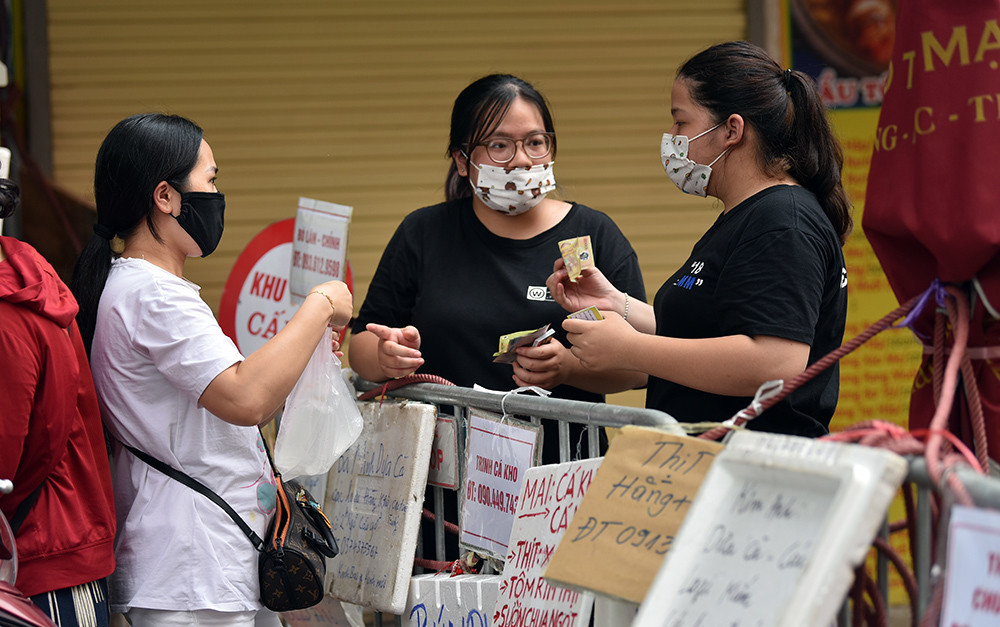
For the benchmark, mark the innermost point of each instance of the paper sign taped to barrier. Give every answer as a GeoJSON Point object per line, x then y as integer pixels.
{"type": "Point", "coordinates": [774, 534]}
{"type": "Point", "coordinates": [498, 453]}
{"type": "Point", "coordinates": [444, 470]}
{"type": "Point", "coordinates": [631, 513]}
{"type": "Point", "coordinates": [972, 586]}
{"type": "Point", "coordinates": [374, 498]}
{"type": "Point", "coordinates": [443, 600]}
{"type": "Point", "coordinates": [548, 500]}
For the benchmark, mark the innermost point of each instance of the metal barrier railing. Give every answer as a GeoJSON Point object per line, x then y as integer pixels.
{"type": "Point", "coordinates": [985, 492]}
{"type": "Point", "coordinates": [580, 412]}
{"type": "Point", "coordinates": [453, 400]}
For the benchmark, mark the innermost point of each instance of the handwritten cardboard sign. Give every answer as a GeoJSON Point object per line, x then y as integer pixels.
{"type": "Point", "coordinates": [972, 587]}
{"type": "Point", "coordinates": [774, 535]}
{"type": "Point", "coordinates": [374, 498]}
{"type": "Point", "coordinates": [548, 500]}
{"type": "Point", "coordinates": [631, 513]}
{"type": "Point", "coordinates": [447, 601]}
{"type": "Point", "coordinates": [319, 247]}
{"type": "Point", "coordinates": [499, 452]}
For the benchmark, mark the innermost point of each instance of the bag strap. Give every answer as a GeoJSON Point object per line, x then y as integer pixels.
{"type": "Point", "coordinates": [22, 510]}
{"type": "Point", "coordinates": [198, 486]}
{"type": "Point", "coordinates": [267, 450]}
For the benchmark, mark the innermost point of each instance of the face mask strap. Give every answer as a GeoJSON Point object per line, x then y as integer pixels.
{"type": "Point", "coordinates": [705, 133]}
{"type": "Point", "coordinates": [719, 157]}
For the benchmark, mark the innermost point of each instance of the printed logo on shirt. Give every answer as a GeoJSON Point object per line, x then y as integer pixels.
{"type": "Point", "coordinates": [538, 293]}
{"type": "Point", "coordinates": [689, 281]}
{"type": "Point", "coordinates": [843, 278]}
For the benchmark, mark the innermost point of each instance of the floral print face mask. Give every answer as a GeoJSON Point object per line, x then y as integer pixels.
{"type": "Point", "coordinates": [689, 176]}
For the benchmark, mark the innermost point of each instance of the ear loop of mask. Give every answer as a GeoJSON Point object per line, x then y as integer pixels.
{"type": "Point", "coordinates": [703, 133]}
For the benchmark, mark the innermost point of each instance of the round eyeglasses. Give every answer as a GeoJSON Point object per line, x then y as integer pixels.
{"type": "Point", "coordinates": [503, 149]}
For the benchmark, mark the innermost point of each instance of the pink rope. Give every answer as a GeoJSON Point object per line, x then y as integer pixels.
{"type": "Point", "coordinates": [938, 460]}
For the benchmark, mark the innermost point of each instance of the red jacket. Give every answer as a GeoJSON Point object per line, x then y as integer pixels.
{"type": "Point", "coordinates": [50, 430]}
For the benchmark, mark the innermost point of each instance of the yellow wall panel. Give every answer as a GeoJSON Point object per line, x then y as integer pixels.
{"type": "Point", "coordinates": [350, 102]}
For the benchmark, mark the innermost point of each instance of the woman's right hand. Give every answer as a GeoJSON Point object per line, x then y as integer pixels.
{"type": "Point", "coordinates": [590, 288]}
{"type": "Point", "coordinates": [397, 351]}
{"type": "Point", "coordinates": [340, 300]}
{"type": "Point", "coordinates": [601, 345]}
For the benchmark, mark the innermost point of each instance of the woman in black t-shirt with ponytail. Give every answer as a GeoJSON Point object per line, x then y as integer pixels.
{"type": "Point", "coordinates": [764, 292]}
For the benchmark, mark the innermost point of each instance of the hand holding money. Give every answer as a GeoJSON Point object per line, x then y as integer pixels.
{"type": "Point", "coordinates": [509, 342]}
{"type": "Point", "coordinates": [577, 254]}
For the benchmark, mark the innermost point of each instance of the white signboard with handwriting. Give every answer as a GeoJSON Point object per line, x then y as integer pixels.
{"type": "Point", "coordinates": [498, 453]}
{"type": "Point", "coordinates": [329, 613]}
{"type": "Point", "coordinates": [972, 587]}
{"type": "Point", "coordinates": [550, 496]}
{"type": "Point", "coordinates": [374, 498]}
{"type": "Point", "coordinates": [319, 247]}
{"type": "Point", "coordinates": [775, 532]}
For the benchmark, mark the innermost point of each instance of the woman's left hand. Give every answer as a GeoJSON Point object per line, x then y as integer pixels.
{"type": "Point", "coordinates": [545, 366]}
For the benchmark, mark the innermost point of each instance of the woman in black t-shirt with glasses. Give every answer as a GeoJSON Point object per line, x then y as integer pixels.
{"type": "Point", "coordinates": [458, 275]}
{"type": "Point", "coordinates": [764, 292]}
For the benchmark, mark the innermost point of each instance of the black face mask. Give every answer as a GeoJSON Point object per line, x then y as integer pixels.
{"type": "Point", "coordinates": [202, 218]}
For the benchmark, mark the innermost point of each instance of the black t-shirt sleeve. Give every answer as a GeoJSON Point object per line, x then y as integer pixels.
{"type": "Point", "coordinates": [393, 289]}
{"type": "Point", "coordinates": [774, 287]}
{"type": "Point", "coordinates": [627, 277]}
{"type": "Point", "coordinates": [617, 259]}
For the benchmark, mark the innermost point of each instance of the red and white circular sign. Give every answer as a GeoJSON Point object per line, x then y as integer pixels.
{"type": "Point", "coordinates": [255, 302]}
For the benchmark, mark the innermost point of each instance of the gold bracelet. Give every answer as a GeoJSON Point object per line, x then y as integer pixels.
{"type": "Point", "coordinates": [328, 299]}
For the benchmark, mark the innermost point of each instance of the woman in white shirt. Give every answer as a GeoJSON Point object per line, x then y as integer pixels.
{"type": "Point", "coordinates": [173, 385]}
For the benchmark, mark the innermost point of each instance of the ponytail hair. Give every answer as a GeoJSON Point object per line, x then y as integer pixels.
{"type": "Point", "coordinates": [477, 113]}
{"type": "Point", "coordinates": [785, 109]}
{"type": "Point", "coordinates": [138, 153]}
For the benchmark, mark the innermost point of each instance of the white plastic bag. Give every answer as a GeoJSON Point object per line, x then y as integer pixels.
{"type": "Point", "coordinates": [321, 418]}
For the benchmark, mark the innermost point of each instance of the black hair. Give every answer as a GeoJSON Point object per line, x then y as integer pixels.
{"type": "Point", "coordinates": [137, 154]}
{"type": "Point", "coordinates": [785, 109]}
{"type": "Point", "coordinates": [477, 113]}
{"type": "Point", "coordinates": [10, 198]}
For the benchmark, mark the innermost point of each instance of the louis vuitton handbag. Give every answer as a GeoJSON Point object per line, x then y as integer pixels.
{"type": "Point", "coordinates": [292, 561]}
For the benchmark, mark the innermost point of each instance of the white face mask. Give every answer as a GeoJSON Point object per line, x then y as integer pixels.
{"type": "Point", "coordinates": [690, 177]}
{"type": "Point", "coordinates": [513, 190]}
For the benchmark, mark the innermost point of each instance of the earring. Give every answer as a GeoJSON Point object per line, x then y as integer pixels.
{"type": "Point", "coordinates": [117, 245]}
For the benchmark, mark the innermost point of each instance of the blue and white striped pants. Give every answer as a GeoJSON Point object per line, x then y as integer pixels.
{"type": "Point", "coordinates": [85, 605]}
